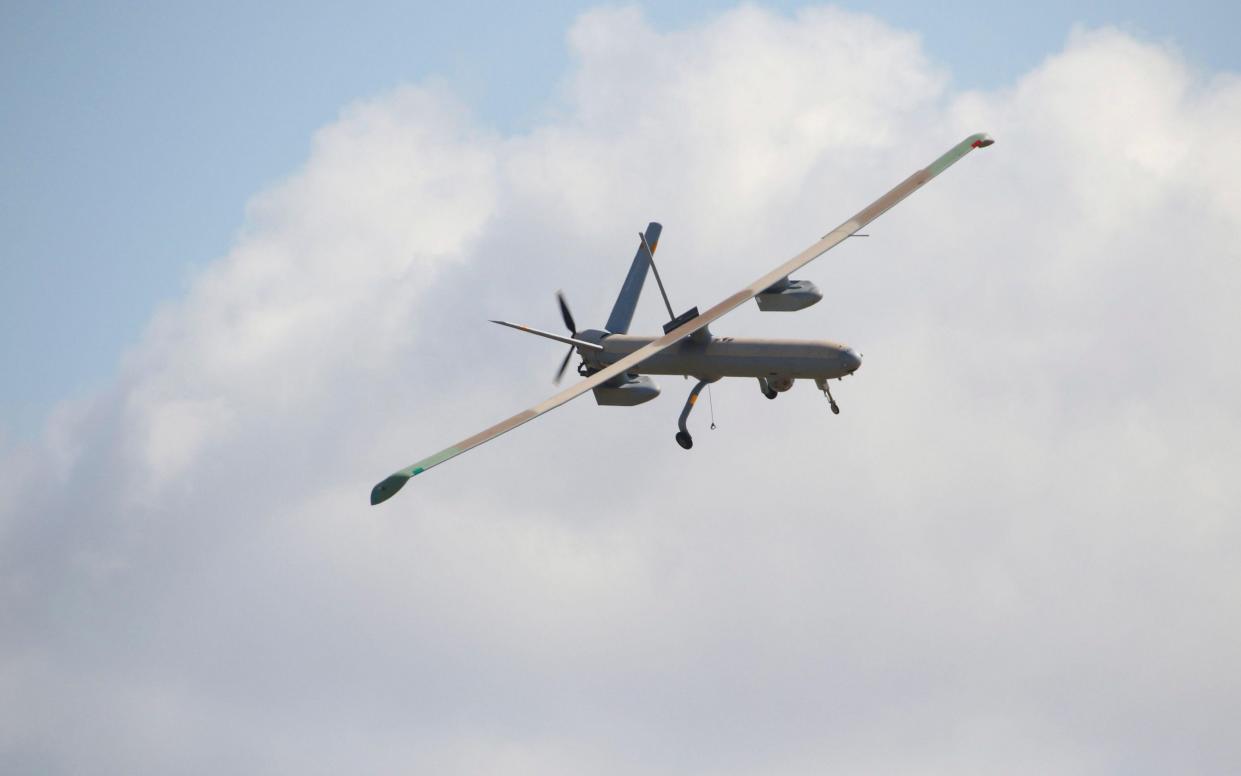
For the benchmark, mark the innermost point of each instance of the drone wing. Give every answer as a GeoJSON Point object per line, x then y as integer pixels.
{"type": "Point", "coordinates": [386, 489]}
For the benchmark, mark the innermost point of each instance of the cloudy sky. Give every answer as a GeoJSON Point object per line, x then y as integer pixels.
{"type": "Point", "coordinates": [246, 278]}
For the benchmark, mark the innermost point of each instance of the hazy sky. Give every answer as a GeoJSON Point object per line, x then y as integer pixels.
{"type": "Point", "coordinates": [252, 261]}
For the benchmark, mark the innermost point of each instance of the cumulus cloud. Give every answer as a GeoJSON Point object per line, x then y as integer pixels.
{"type": "Point", "coordinates": [1016, 550]}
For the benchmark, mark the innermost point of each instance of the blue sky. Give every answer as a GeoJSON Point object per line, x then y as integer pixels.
{"type": "Point", "coordinates": [133, 134]}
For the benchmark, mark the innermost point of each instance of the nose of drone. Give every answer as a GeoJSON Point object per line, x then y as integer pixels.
{"type": "Point", "coordinates": [852, 360]}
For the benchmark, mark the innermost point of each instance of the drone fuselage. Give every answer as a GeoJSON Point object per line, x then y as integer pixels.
{"type": "Point", "coordinates": [728, 357]}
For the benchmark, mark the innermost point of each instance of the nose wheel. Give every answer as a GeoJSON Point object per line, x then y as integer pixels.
{"type": "Point", "coordinates": [685, 440]}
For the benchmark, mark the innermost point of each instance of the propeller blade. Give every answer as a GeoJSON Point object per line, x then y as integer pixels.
{"type": "Point", "coordinates": [563, 365]}
{"type": "Point", "coordinates": [564, 313]}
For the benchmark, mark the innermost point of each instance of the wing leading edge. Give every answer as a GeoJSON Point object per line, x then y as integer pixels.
{"type": "Point", "coordinates": [388, 488]}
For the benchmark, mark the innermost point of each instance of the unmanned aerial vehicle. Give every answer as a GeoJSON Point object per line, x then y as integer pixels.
{"type": "Point", "coordinates": [617, 365]}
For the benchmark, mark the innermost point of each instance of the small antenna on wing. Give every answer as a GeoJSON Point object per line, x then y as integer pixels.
{"type": "Point", "coordinates": [650, 254]}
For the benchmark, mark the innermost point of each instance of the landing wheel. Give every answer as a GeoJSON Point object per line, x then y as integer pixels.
{"type": "Point", "coordinates": [827, 391]}
{"type": "Point", "coordinates": [770, 394]}
{"type": "Point", "coordinates": [683, 438]}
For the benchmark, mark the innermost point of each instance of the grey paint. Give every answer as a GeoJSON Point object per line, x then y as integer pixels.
{"type": "Point", "coordinates": [631, 289]}
{"type": "Point", "coordinates": [732, 357]}
{"type": "Point", "coordinates": [788, 296]}
{"type": "Point", "coordinates": [628, 391]}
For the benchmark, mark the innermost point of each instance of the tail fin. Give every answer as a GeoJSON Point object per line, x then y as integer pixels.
{"type": "Point", "coordinates": [627, 300]}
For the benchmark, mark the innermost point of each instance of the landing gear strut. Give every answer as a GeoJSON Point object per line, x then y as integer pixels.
{"type": "Point", "coordinates": [827, 391]}
{"type": "Point", "coordinates": [766, 388]}
{"type": "Point", "coordinates": [683, 438]}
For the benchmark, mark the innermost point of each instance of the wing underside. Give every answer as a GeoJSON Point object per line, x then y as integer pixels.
{"type": "Point", "coordinates": [388, 487]}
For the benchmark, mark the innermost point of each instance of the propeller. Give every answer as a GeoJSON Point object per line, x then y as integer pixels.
{"type": "Point", "coordinates": [568, 322]}
{"type": "Point", "coordinates": [564, 313]}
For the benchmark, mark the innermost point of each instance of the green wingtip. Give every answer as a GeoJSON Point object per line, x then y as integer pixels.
{"type": "Point", "coordinates": [388, 488]}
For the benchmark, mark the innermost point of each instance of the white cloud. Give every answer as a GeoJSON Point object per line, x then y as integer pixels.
{"type": "Point", "coordinates": [1015, 549]}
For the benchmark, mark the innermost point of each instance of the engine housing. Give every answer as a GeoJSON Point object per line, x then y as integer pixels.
{"type": "Point", "coordinates": [788, 295]}
{"type": "Point", "coordinates": [626, 392]}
